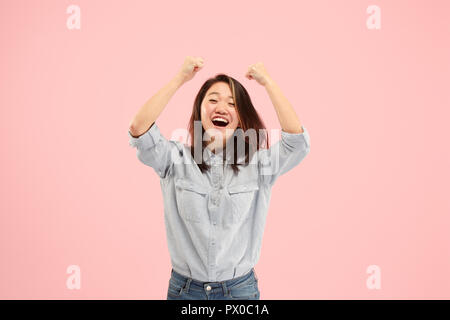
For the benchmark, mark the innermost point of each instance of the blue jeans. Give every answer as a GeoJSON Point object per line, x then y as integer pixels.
{"type": "Point", "coordinates": [241, 288]}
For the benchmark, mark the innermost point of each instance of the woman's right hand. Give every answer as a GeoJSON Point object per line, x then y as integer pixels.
{"type": "Point", "coordinates": [190, 67]}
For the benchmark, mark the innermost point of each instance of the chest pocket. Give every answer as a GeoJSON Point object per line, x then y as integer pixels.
{"type": "Point", "coordinates": [192, 200]}
{"type": "Point", "coordinates": [241, 199]}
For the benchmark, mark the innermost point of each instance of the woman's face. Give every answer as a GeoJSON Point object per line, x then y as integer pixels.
{"type": "Point", "coordinates": [218, 103]}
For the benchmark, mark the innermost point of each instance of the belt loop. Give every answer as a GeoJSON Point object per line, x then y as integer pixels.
{"type": "Point", "coordinates": [225, 289]}
{"type": "Point", "coordinates": [186, 286]}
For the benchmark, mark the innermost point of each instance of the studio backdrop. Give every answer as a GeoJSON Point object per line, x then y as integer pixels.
{"type": "Point", "coordinates": [365, 215]}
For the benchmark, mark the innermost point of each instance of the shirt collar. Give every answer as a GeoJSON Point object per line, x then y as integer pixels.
{"type": "Point", "coordinates": [218, 157]}
{"type": "Point", "coordinates": [215, 158]}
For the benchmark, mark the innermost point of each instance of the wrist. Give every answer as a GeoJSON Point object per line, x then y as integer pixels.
{"type": "Point", "coordinates": [269, 82]}
{"type": "Point", "coordinates": [179, 80]}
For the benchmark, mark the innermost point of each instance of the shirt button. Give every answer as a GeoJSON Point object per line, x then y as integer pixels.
{"type": "Point", "coordinates": [208, 288]}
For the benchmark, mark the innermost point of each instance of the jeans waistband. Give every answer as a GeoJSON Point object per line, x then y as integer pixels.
{"type": "Point", "coordinates": [188, 282]}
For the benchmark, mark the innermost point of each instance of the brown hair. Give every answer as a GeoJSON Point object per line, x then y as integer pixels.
{"type": "Point", "coordinates": [248, 119]}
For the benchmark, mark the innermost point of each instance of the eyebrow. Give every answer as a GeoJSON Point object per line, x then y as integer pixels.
{"type": "Point", "coordinates": [219, 94]}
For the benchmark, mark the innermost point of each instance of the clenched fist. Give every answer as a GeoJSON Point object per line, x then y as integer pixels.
{"type": "Point", "coordinates": [258, 72]}
{"type": "Point", "coordinates": [190, 67]}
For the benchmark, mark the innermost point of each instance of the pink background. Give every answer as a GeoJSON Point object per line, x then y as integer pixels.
{"type": "Point", "coordinates": [374, 189]}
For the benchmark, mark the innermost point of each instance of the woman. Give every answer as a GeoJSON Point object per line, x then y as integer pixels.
{"type": "Point", "coordinates": [217, 190]}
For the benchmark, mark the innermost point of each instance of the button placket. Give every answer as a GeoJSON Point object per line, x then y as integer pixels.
{"type": "Point", "coordinates": [216, 174]}
{"type": "Point", "coordinates": [216, 181]}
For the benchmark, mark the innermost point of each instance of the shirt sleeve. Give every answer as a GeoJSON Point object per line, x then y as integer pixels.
{"type": "Point", "coordinates": [154, 150]}
{"type": "Point", "coordinates": [283, 156]}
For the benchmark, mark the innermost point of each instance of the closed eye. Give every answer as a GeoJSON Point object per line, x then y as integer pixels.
{"type": "Point", "coordinates": [216, 101]}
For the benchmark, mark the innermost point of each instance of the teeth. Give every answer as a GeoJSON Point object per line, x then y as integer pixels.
{"type": "Point", "coordinates": [220, 119]}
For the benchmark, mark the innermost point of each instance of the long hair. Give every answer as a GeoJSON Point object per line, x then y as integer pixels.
{"type": "Point", "coordinates": [249, 119]}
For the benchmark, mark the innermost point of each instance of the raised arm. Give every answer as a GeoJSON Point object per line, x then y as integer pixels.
{"type": "Point", "coordinates": [153, 149]}
{"type": "Point", "coordinates": [151, 110]}
{"type": "Point", "coordinates": [289, 121]}
{"type": "Point", "coordinates": [294, 144]}
{"type": "Point", "coordinates": [286, 114]}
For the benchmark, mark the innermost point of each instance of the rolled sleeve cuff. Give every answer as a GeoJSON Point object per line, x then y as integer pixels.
{"type": "Point", "coordinates": [296, 140]}
{"type": "Point", "coordinates": [147, 139]}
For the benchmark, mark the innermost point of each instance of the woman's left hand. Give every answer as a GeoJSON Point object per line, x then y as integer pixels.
{"type": "Point", "coordinates": [258, 72]}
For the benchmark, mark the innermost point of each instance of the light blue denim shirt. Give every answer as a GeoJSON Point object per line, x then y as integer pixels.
{"type": "Point", "coordinates": [215, 220]}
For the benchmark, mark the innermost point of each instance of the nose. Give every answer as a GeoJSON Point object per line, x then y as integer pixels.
{"type": "Point", "coordinates": [221, 109]}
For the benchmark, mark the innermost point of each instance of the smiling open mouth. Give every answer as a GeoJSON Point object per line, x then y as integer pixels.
{"type": "Point", "coordinates": [218, 122]}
